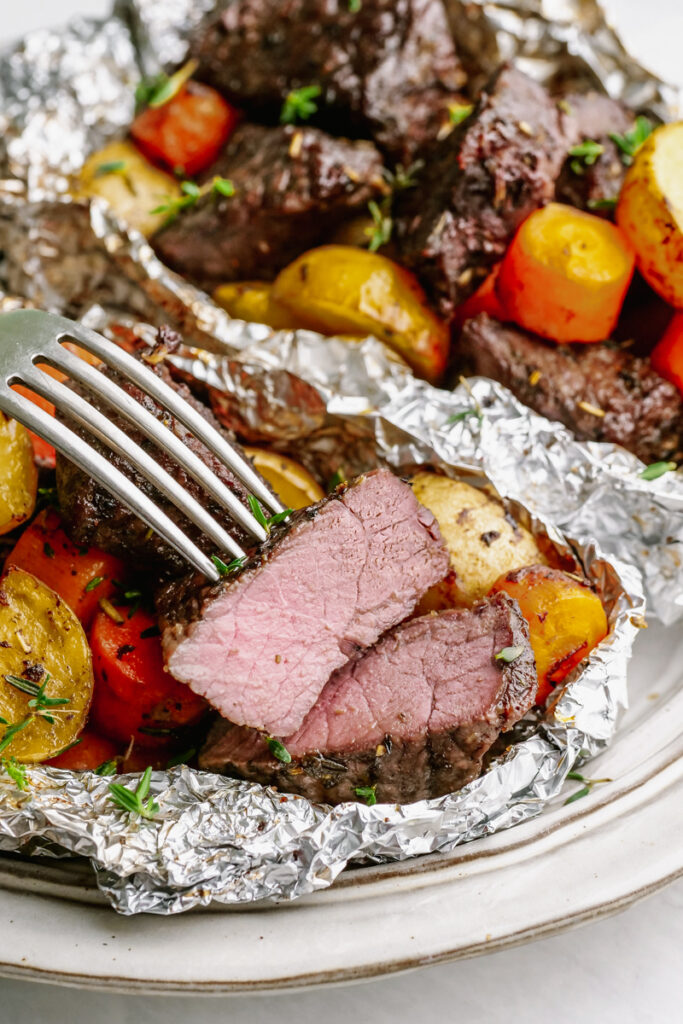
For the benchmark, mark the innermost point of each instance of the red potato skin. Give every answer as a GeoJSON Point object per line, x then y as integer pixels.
{"type": "Point", "coordinates": [186, 134]}
{"type": "Point", "coordinates": [133, 691]}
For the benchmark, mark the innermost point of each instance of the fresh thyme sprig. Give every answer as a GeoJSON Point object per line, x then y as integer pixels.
{"type": "Point", "coordinates": [367, 793]}
{"type": "Point", "coordinates": [191, 192]}
{"type": "Point", "coordinates": [399, 180]}
{"type": "Point", "coordinates": [225, 569]}
{"type": "Point", "coordinates": [630, 142]}
{"type": "Point", "coordinates": [132, 800]}
{"type": "Point", "coordinates": [40, 706]}
{"type": "Point", "coordinates": [16, 772]}
{"type": "Point", "coordinates": [585, 154]}
{"type": "Point", "coordinates": [266, 521]}
{"type": "Point", "coordinates": [157, 90]}
{"type": "Point", "coordinates": [300, 104]}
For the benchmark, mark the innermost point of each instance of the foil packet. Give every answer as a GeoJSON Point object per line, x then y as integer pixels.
{"type": "Point", "coordinates": [63, 93]}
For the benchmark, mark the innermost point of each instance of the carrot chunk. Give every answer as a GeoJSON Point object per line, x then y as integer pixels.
{"type": "Point", "coordinates": [80, 576]}
{"type": "Point", "coordinates": [565, 275]}
{"type": "Point", "coordinates": [89, 753]}
{"type": "Point", "coordinates": [566, 620]}
{"type": "Point", "coordinates": [187, 133]}
{"type": "Point", "coordinates": [667, 355]}
{"type": "Point", "coordinates": [484, 300]}
{"type": "Point", "coordinates": [134, 695]}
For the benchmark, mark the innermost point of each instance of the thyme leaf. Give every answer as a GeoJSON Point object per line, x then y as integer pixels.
{"type": "Point", "coordinates": [300, 104]}
{"type": "Point", "coordinates": [585, 154]}
{"type": "Point", "coordinates": [602, 204]}
{"type": "Point", "coordinates": [509, 654]}
{"type": "Point", "coordinates": [94, 582]}
{"type": "Point", "coordinates": [155, 91]}
{"type": "Point", "coordinates": [630, 142]}
{"type": "Point", "coordinates": [278, 750]}
{"type": "Point", "coordinates": [106, 768]}
{"type": "Point", "coordinates": [457, 112]}
{"type": "Point", "coordinates": [16, 772]}
{"type": "Point", "coordinates": [367, 793]}
{"type": "Point", "coordinates": [382, 224]}
{"type": "Point", "coordinates": [225, 569]}
{"type": "Point", "coordinates": [657, 469]}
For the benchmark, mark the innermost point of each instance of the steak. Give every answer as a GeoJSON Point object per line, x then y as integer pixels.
{"type": "Point", "coordinates": [578, 384]}
{"type": "Point", "coordinates": [293, 186]}
{"type": "Point", "coordinates": [387, 70]}
{"type": "Point", "coordinates": [479, 184]}
{"type": "Point", "coordinates": [94, 517]}
{"type": "Point", "coordinates": [412, 718]}
{"type": "Point", "coordinates": [260, 646]}
{"type": "Point", "coordinates": [594, 117]}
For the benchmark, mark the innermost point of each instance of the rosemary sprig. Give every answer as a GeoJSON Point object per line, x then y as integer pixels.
{"type": "Point", "coordinates": [132, 800]}
{"type": "Point", "coordinates": [300, 104]}
{"type": "Point", "coordinates": [40, 706]}
{"type": "Point", "coordinates": [225, 569]}
{"type": "Point", "coordinates": [587, 787]}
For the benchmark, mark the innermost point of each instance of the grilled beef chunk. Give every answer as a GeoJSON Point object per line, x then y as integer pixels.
{"type": "Point", "coordinates": [93, 516]}
{"type": "Point", "coordinates": [479, 185]}
{"type": "Point", "coordinates": [387, 70]}
{"type": "Point", "coordinates": [292, 187]}
{"type": "Point", "coordinates": [593, 117]}
{"type": "Point", "coordinates": [261, 646]}
{"type": "Point", "coordinates": [578, 384]}
{"type": "Point", "coordinates": [413, 717]}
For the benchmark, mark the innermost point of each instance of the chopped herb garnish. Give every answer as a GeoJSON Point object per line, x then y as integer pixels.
{"type": "Point", "coordinates": [300, 104]}
{"type": "Point", "coordinates": [630, 142]}
{"type": "Point", "coordinates": [587, 787]}
{"type": "Point", "coordinates": [48, 550]}
{"type": "Point", "coordinates": [367, 793]}
{"type": "Point", "coordinates": [585, 155]}
{"type": "Point", "coordinates": [382, 225]}
{"type": "Point", "coordinates": [69, 746]}
{"type": "Point", "coordinates": [16, 772]}
{"type": "Point", "coordinates": [12, 730]}
{"type": "Point", "coordinates": [112, 167]}
{"type": "Point", "coordinates": [257, 511]}
{"type": "Point", "coordinates": [355, 6]}
{"type": "Point", "coordinates": [225, 570]}
{"type": "Point", "coordinates": [509, 654]}
{"type": "Point", "coordinates": [47, 497]}
{"type": "Point", "coordinates": [94, 582]}
{"type": "Point", "coordinates": [337, 478]}
{"type": "Point", "coordinates": [191, 193]}
{"type": "Point", "coordinates": [279, 517]}
{"type": "Point", "coordinates": [457, 112]}
{"type": "Point", "coordinates": [458, 417]}
{"type": "Point", "coordinates": [403, 177]}
{"type": "Point", "coordinates": [223, 186]}
{"type": "Point", "coordinates": [157, 90]}
{"type": "Point", "coordinates": [132, 800]}
{"type": "Point", "coordinates": [602, 204]}
{"type": "Point", "coordinates": [107, 768]}
{"type": "Point", "coordinates": [278, 750]}
{"type": "Point", "coordinates": [657, 469]}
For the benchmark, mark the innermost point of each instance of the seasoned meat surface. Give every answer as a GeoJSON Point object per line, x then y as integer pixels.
{"type": "Point", "coordinates": [261, 645]}
{"type": "Point", "coordinates": [292, 187]}
{"type": "Point", "coordinates": [601, 392]}
{"type": "Point", "coordinates": [479, 185]}
{"type": "Point", "coordinates": [413, 717]}
{"type": "Point", "coordinates": [386, 71]}
{"type": "Point", "coordinates": [593, 117]}
{"type": "Point", "coordinates": [93, 516]}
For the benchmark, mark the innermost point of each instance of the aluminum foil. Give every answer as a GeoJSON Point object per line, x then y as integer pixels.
{"type": "Point", "coordinates": [335, 405]}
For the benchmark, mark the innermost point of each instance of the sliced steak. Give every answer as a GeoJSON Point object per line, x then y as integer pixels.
{"type": "Point", "coordinates": [261, 646]}
{"type": "Point", "coordinates": [413, 717]}
{"type": "Point", "coordinates": [387, 70]}
{"type": "Point", "coordinates": [293, 186]}
{"type": "Point", "coordinates": [594, 117]}
{"type": "Point", "coordinates": [478, 186]}
{"type": "Point", "coordinates": [93, 516]}
{"type": "Point", "coordinates": [578, 384]}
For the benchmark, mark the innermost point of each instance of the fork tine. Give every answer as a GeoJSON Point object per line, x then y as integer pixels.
{"type": "Point", "coordinates": [98, 424]}
{"type": "Point", "coordinates": [158, 389]}
{"type": "Point", "coordinates": [149, 425]}
{"type": "Point", "coordinates": [96, 466]}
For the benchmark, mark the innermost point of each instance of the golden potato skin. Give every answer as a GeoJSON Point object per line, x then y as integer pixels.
{"type": "Point", "coordinates": [253, 301]}
{"type": "Point", "coordinates": [18, 474]}
{"type": "Point", "coordinates": [339, 289]}
{"type": "Point", "coordinates": [38, 631]}
{"type": "Point", "coordinates": [482, 542]}
{"type": "Point", "coordinates": [133, 191]}
{"type": "Point", "coordinates": [650, 211]}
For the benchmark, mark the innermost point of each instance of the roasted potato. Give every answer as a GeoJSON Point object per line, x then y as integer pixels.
{"type": "Point", "coordinates": [483, 540]}
{"type": "Point", "coordinates": [131, 185]}
{"type": "Point", "coordinates": [338, 289]}
{"type": "Point", "coordinates": [293, 484]}
{"type": "Point", "coordinates": [18, 474]}
{"type": "Point", "coordinates": [253, 301]}
{"type": "Point", "coordinates": [650, 211]}
{"type": "Point", "coordinates": [566, 620]}
{"type": "Point", "coordinates": [41, 642]}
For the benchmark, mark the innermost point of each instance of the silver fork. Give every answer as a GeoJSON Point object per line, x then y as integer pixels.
{"type": "Point", "coordinates": [29, 336]}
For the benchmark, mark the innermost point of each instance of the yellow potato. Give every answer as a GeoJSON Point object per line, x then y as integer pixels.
{"type": "Point", "coordinates": [482, 540]}
{"type": "Point", "coordinates": [293, 484]}
{"type": "Point", "coordinates": [338, 289]}
{"type": "Point", "coordinates": [252, 301]}
{"type": "Point", "coordinates": [650, 211]}
{"type": "Point", "coordinates": [18, 474]}
{"type": "Point", "coordinates": [132, 186]}
{"type": "Point", "coordinates": [42, 642]}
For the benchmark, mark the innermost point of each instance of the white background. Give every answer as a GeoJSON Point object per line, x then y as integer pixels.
{"type": "Point", "coordinates": [620, 970]}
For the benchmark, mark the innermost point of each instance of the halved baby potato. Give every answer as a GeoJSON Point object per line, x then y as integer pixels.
{"type": "Point", "coordinates": [132, 186]}
{"type": "Point", "coordinates": [41, 641]}
{"type": "Point", "coordinates": [294, 485]}
{"type": "Point", "coordinates": [650, 211]}
{"type": "Point", "coordinates": [18, 474]}
{"type": "Point", "coordinates": [253, 301]}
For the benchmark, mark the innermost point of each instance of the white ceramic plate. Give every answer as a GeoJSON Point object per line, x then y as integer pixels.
{"type": "Point", "coordinates": [572, 864]}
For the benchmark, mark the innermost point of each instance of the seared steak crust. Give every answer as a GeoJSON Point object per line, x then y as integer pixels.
{"type": "Point", "coordinates": [261, 644]}
{"type": "Point", "coordinates": [412, 718]}
{"type": "Point", "coordinates": [478, 186]}
{"type": "Point", "coordinates": [642, 411]}
{"type": "Point", "coordinates": [293, 185]}
{"type": "Point", "coordinates": [386, 70]}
